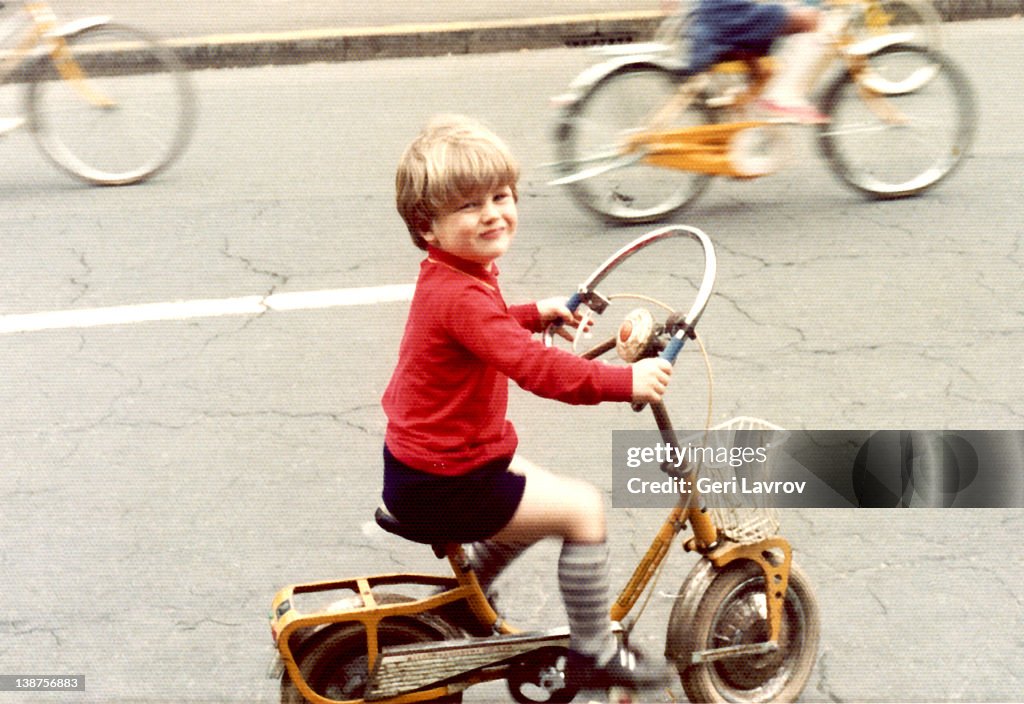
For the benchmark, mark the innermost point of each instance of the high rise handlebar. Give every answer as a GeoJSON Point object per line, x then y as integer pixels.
{"type": "Point", "coordinates": [587, 293]}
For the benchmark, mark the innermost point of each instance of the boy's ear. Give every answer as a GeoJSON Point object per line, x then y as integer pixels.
{"type": "Point", "coordinates": [426, 229]}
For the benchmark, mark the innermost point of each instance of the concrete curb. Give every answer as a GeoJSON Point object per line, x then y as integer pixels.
{"type": "Point", "coordinates": [404, 41]}
{"type": "Point", "coordinates": [955, 10]}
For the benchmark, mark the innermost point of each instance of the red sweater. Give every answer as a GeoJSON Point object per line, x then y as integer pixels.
{"type": "Point", "coordinates": [447, 398]}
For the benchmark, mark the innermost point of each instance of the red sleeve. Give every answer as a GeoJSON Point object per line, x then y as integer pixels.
{"type": "Point", "coordinates": [480, 323]}
{"type": "Point", "coordinates": [527, 315]}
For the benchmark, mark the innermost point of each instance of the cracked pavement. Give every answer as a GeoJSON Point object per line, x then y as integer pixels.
{"type": "Point", "coordinates": [160, 481]}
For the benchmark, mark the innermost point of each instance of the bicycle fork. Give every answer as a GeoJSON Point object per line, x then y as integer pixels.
{"type": "Point", "coordinates": [67, 65]}
{"type": "Point", "coordinates": [773, 555]}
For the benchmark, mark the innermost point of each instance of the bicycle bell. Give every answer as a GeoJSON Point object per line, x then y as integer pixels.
{"type": "Point", "coordinates": [638, 336]}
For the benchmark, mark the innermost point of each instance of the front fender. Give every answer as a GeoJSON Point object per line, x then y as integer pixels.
{"type": "Point", "coordinates": [39, 66]}
{"type": "Point", "coordinates": [873, 45]}
{"type": "Point", "coordinates": [592, 75]}
{"type": "Point", "coordinates": [81, 24]}
{"type": "Point", "coordinates": [687, 602]}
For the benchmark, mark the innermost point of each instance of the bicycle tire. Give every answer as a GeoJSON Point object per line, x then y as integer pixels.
{"type": "Point", "coordinates": [592, 131]}
{"type": "Point", "coordinates": [334, 662]}
{"type": "Point", "coordinates": [896, 144]}
{"type": "Point", "coordinates": [145, 125]}
{"type": "Point", "coordinates": [730, 612]}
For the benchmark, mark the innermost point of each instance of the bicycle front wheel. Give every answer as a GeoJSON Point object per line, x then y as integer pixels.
{"type": "Point", "coordinates": [732, 613]}
{"type": "Point", "coordinates": [112, 107]}
{"type": "Point", "coordinates": [607, 177]}
{"type": "Point", "coordinates": [896, 144]}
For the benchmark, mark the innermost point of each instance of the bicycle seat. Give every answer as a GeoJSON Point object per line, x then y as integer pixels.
{"type": "Point", "coordinates": [426, 535]}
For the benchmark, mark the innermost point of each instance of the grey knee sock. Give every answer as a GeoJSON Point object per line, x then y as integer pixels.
{"type": "Point", "coordinates": [489, 558]}
{"type": "Point", "coordinates": [583, 581]}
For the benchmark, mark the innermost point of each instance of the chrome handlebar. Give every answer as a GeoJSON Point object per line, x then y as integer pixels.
{"type": "Point", "coordinates": [587, 294]}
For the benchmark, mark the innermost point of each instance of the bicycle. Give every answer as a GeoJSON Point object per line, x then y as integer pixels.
{"type": "Point", "coordinates": [105, 102]}
{"type": "Point", "coordinates": [745, 626]}
{"type": "Point", "coordinates": [639, 137]}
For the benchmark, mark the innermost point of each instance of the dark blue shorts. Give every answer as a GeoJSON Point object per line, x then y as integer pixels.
{"type": "Point", "coordinates": [722, 27]}
{"type": "Point", "coordinates": [460, 509]}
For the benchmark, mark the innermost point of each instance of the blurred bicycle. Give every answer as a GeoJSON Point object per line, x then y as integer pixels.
{"type": "Point", "coordinates": [640, 136]}
{"type": "Point", "coordinates": [105, 102]}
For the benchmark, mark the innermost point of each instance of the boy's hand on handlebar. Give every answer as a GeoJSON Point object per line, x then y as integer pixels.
{"type": "Point", "coordinates": [555, 309]}
{"type": "Point", "coordinates": [650, 379]}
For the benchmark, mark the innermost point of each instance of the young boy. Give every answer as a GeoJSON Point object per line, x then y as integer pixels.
{"type": "Point", "coordinates": [749, 28]}
{"type": "Point", "coordinates": [449, 455]}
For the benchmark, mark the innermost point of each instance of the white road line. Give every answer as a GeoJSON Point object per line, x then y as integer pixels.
{"type": "Point", "coordinates": [185, 310]}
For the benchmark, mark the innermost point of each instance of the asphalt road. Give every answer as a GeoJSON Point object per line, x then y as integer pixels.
{"type": "Point", "coordinates": [161, 480]}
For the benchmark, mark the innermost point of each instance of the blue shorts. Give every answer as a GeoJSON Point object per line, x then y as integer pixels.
{"type": "Point", "coordinates": [722, 27]}
{"type": "Point", "coordinates": [456, 509]}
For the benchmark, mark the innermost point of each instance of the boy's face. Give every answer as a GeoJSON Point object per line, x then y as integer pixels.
{"type": "Point", "coordinates": [478, 230]}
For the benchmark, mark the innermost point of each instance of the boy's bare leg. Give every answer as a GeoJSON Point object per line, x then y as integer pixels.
{"type": "Point", "coordinates": [542, 513]}
{"type": "Point", "coordinates": [554, 506]}
{"type": "Point", "coordinates": [573, 510]}
{"type": "Point", "coordinates": [803, 59]}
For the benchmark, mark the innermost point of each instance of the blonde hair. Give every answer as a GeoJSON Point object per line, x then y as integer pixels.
{"type": "Point", "coordinates": [453, 158]}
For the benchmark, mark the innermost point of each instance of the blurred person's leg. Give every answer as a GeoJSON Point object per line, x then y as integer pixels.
{"type": "Point", "coordinates": [804, 57]}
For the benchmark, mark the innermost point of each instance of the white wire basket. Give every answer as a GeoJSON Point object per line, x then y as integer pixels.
{"type": "Point", "coordinates": [751, 517]}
